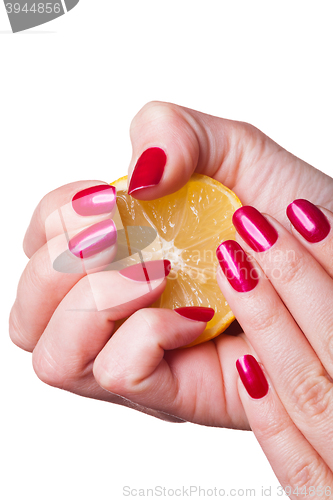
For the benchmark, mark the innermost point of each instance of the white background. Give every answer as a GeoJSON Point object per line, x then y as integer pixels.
{"type": "Point", "coordinates": [68, 91]}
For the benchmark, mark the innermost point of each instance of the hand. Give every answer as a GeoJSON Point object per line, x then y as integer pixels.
{"type": "Point", "coordinates": [141, 362]}
{"type": "Point", "coordinates": [280, 289]}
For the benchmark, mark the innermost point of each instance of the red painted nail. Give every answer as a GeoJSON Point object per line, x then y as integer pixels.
{"type": "Point", "coordinates": [148, 170]}
{"type": "Point", "coordinates": [239, 271]}
{"type": "Point", "coordinates": [148, 271]}
{"type": "Point", "coordinates": [252, 376]}
{"type": "Point", "coordinates": [95, 200]}
{"type": "Point", "coordinates": [254, 228]}
{"type": "Point", "coordinates": [196, 313]}
{"type": "Point", "coordinates": [96, 238]}
{"type": "Point", "coordinates": [308, 220]}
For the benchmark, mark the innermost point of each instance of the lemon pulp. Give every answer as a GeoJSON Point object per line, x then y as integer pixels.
{"type": "Point", "coordinates": [190, 224]}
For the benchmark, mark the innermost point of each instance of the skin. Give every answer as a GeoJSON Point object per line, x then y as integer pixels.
{"type": "Point", "coordinates": [286, 323]}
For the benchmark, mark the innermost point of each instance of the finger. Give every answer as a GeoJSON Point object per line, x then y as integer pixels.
{"type": "Point", "coordinates": [67, 208]}
{"type": "Point", "coordinates": [78, 331]}
{"type": "Point", "coordinates": [42, 287]}
{"type": "Point", "coordinates": [300, 380]}
{"type": "Point", "coordinates": [302, 283]}
{"type": "Point", "coordinates": [142, 363]}
{"type": "Point", "coordinates": [312, 227]}
{"type": "Point", "coordinates": [298, 467]}
{"type": "Point", "coordinates": [171, 142]}
{"type": "Point", "coordinates": [80, 237]}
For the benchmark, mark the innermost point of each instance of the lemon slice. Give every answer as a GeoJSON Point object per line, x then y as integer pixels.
{"type": "Point", "coordinates": [190, 225]}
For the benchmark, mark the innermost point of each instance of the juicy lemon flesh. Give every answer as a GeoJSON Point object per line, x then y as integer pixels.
{"type": "Point", "coordinates": [190, 223]}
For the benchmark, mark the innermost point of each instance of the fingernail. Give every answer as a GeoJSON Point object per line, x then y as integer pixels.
{"type": "Point", "coordinates": [94, 239]}
{"type": "Point", "coordinates": [95, 200]}
{"type": "Point", "coordinates": [252, 376]}
{"type": "Point", "coordinates": [308, 220]}
{"type": "Point", "coordinates": [148, 271]}
{"type": "Point", "coordinates": [148, 170]}
{"type": "Point", "coordinates": [196, 313]}
{"type": "Point", "coordinates": [236, 266]}
{"type": "Point", "coordinates": [254, 228]}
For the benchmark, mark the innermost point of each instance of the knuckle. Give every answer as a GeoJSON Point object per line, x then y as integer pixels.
{"type": "Point", "coordinates": [246, 145]}
{"type": "Point", "coordinates": [46, 368]}
{"type": "Point", "coordinates": [312, 395]}
{"type": "Point", "coordinates": [149, 317]}
{"type": "Point", "coordinates": [288, 267]}
{"type": "Point", "coordinates": [265, 316]}
{"type": "Point", "coordinates": [248, 131]}
{"type": "Point", "coordinates": [111, 376]}
{"type": "Point", "coordinates": [274, 429]}
{"type": "Point", "coordinates": [152, 113]}
{"type": "Point", "coordinates": [118, 380]}
{"type": "Point", "coordinates": [114, 373]}
{"type": "Point", "coordinates": [52, 370]}
{"type": "Point", "coordinates": [152, 106]}
{"type": "Point", "coordinates": [151, 320]}
{"type": "Point", "coordinates": [26, 247]}
{"type": "Point", "coordinates": [38, 216]}
{"type": "Point", "coordinates": [245, 138]}
{"type": "Point", "coordinates": [307, 472]}
{"type": "Point", "coordinates": [263, 322]}
{"type": "Point", "coordinates": [37, 274]}
{"type": "Point", "coordinates": [16, 333]}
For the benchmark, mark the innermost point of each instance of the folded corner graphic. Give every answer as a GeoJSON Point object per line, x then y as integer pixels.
{"type": "Point", "coordinates": [25, 14]}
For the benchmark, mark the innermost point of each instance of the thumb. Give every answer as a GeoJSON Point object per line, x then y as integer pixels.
{"type": "Point", "coordinates": [171, 142]}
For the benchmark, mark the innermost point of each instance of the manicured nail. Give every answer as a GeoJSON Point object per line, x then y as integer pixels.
{"type": "Point", "coordinates": [148, 271]}
{"type": "Point", "coordinates": [148, 170]}
{"type": "Point", "coordinates": [196, 313]}
{"type": "Point", "coordinates": [252, 376]}
{"type": "Point", "coordinates": [94, 239]}
{"type": "Point", "coordinates": [254, 228]}
{"type": "Point", "coordinates": [236, 266]}
{"type": "Point", "coordinates": [95, 200]}
{"type": "Point", "coordinates": [308, 220]}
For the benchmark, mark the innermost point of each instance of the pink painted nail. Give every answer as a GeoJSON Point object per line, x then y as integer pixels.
{"type": "Point", "coordinates": [95, 200]}
{"type": "Point", "coordinates": [148, 170]}
{"type": "Point", "coordinates": [94, 239]}
{"type": "Point", "coordinates": [252, 376]}
{"type": "Point", "coordinates": [236, 266]}
{"type": "Point", "coordinates": [308, 220]}
{"type": "Point", "coordinates": [254, 228]}
{"type": "Point", "coordinates": [196, 313]}
{"type": "Point", "coordinates": [148, 271]}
